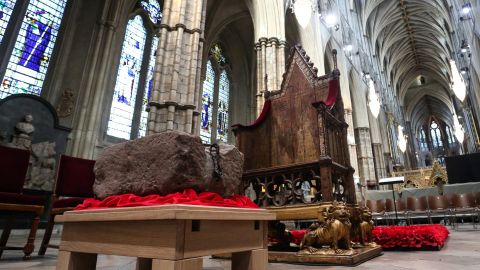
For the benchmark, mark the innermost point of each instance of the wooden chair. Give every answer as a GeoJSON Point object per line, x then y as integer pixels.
{"type": "Point", "coordinates": [13, 169]}
{"type": "Point", "coordinates": [74, 184]}
{"type": "Point", "coordinates": [417, 208]}
{"type": "Point", "coordinates": [378, 209]}
{"type": "Point", "coordinates": [464, 205]}
{"type": "Point", "coordinates": [390, 209]}
{"type": "Point", "coordinates": [439, 207]}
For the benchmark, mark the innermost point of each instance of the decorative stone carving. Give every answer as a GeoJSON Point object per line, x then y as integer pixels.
{"type": "Point", "coordinates": [42, 170]}
{"type": "Point", "coordinates": [164, 163]}
{"type": "Point", "coordinates": [65, 105]}
{"type": "Point", "coordinates": [23, 132]}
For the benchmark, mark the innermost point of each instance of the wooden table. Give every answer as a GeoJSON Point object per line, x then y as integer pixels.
{"type": "Point", "coordinates": [167, 237]}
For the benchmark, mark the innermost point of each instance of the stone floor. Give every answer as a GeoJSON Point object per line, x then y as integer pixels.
{"type": "Point", "coordinates": [461, 251]}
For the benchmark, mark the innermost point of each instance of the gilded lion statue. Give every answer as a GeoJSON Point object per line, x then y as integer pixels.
{"type": "Point", "coordinates": [334, 232]}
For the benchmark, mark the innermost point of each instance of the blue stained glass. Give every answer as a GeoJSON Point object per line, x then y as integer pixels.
{"type": "Point", "coordinates": [6, 9]}
{"type": "Point", "coordinates": [222, 114]}
{"type": "Point", "coordinates": [207, 102]}
{"type": "Point", "coordinates": [31, 55]}
{"type": "Point", "coordinates": [126, 86]}
{"type": "Point", "coordinates": [152, 7]}
{"type": "Point", "coordinates": [148, 89]}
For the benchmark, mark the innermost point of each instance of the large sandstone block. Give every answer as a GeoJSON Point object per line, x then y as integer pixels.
{"type": "Point", "coordinates": [164, 163]}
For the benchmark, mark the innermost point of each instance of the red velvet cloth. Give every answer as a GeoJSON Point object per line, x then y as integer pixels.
{"type": "Point", "coordinates": [75, 177]}
{"type": "Point", "coordinates": [13, 168]}
{"type": "Point", "coordinates": [410, 236]}
{"type": "Point", "coordinates": [188, 196]}
{"type": "Point", "coordinates": [297, 236]}
{"type": "Point", "coordinates": [333, 88]}
{"type": "Point", "coordinates": [265, 110]}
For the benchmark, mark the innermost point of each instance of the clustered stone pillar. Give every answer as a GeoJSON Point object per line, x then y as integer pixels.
{"type": "Point", "coordinates": [176, 90]}
{"type": "Point", "coordinates": [86, 134]}
{"type": "Point", "coordinates": [270, 67]}
{"type": "Point", "coordinates": [366, 165]}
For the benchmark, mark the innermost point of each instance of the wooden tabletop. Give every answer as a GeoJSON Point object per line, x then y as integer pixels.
{"type": "Point", "coordinates": [170, 211]}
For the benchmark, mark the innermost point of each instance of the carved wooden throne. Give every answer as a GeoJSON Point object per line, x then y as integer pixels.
{"type": "Point", "coordinates": [296, 152]}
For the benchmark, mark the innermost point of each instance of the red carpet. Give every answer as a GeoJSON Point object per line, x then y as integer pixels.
{"type": "Point", "coordinates": [188, 196]}
{"type": "Point", "coordinates": [416, 236]}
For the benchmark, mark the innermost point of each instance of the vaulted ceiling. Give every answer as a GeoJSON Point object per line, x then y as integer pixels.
{"type": "Point", "coordinates": [411, 38]}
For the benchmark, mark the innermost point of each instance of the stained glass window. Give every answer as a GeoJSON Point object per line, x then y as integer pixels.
{"type": "Point", "coordinates": [222, 114]}
{"type": "Point", "coordinates": [215, 98]}
{"type": "Point", "coordinates": [207, 102]}
{"type": "Point", "coordinates": [436, 135]}
{"type": "Point", "coordinates": [449, 135]}
{"type": "Point", "coordinates": [33, 48]}
{"type": "Point", "coordinates": [148, 89]}
{"type": "Point", "coordinates": [152, 7]}
{"type": "Point", "coordinates": [126, 87]}
{"type": "Point", "coordinates": [423, 141]}
{"type": "Point", "coordinates": [6, 9]}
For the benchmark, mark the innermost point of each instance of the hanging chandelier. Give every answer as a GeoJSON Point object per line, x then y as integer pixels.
{"type": "Point", "coordinates": [458, 129]}
{"type": "Point", "coordinates": [303, 11]}
{"type": "Point", "coordinates": [458, 84]}
{"type": "Point", "coordinates": [374, 102]}
{"type": "Point", "coordinates": [402, 140]}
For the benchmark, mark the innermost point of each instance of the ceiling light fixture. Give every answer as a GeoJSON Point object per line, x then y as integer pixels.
{"type": "Point", "coordinates": [458, 129]}
{"type": "Point", "coordinates": [458, 85]}
{"type": "Point", "coordinates": [348, 47]}
{"type": "Point", "coordinates": [373, 101]}
{"type": "Point", "coordinates": [402, 140]}
{"type": "Point", "coordinates": [303, 11]}
{"type": "Point", "coordinates": [466, 8]}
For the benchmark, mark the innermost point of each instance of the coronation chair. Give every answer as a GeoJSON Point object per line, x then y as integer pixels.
{"type": "Point", "coordinates": [74, 184]}
{"type": "Point", "coordinates": [13, 169]}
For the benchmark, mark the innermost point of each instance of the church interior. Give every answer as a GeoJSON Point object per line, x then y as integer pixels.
{"type": "Point", "coordinates": [239, 134]}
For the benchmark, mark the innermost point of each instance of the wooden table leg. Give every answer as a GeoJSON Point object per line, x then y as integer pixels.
{"type": "Point", "coordinates": [187, 264]}
{"type": "Point", "coordinates": [76, 261]}
{"type": "Point", "coordinates": [250, 260]}
{"type": "Point", "coordinates": [143, 264]}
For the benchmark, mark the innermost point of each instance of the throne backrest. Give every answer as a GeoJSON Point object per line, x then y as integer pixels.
{"type": "Point", "coordinates": [292, 128]}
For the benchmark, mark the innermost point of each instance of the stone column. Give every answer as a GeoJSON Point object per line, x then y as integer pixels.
{"type": "Point", "coordinates": [175, 100]}
{"type": "Point", "coordinates": [366, 166]}
{"type": "Point", "coordinates": [352, 146]}
{"type": "Point", "coordinates": [86, 135]}
{"type": "Point", "coordinates": [270, 66]}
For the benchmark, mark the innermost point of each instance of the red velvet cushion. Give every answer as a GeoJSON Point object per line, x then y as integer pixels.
{"type": "Point", "coordinates": [75, 177]}
{"type": "Point", "coordinates": [67, 202]}
{"type": "Point", "coordinates": [13, 168]}
{"type": "Point", "coordinates": [16, 198]}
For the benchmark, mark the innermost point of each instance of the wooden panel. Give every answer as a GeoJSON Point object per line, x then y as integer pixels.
{"type": "Point", "coordinates": [222, 237]}
{"type": "Point", "coordinates": [162, 212]}
{"type": "Point", "coordinates": [157, 240]}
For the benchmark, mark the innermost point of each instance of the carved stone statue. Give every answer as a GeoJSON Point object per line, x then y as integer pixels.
{"type": "Point", "coordinates": [334, 233]}
{"type": "Point", "coordinates": [23, 132]}
{"type": "Point", "coordinates": [66, 103]}
{"type": "Point", "coordinates": [42, 172]}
